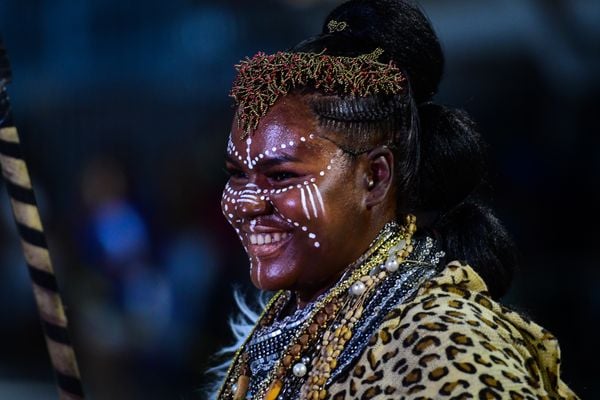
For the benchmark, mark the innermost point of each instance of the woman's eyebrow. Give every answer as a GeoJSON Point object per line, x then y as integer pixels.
{"type": "Point", "coordinates": [265, 162]}
{"type": "Point", "coordinates": [275, 160]}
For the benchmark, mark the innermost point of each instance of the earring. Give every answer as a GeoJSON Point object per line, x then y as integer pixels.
{"type": "Point", "coordinates": [371, 183]}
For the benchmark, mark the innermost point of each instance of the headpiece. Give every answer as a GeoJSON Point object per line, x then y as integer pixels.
{"type": "Point", "coordinates": [263, 79]}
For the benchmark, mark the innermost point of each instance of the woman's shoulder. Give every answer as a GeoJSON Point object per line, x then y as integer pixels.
{"type": "Point", "coordinates": [452, 339]}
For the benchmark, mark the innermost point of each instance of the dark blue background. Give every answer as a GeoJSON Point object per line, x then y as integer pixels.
{"type": "Point", "coordinates": [123, 111]}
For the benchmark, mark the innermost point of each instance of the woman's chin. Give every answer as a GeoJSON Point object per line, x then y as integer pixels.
{"type": "Point", "coordinates": [267, 280]}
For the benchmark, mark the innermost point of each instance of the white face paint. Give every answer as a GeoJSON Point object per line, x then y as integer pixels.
{"type": "Point", "coordinates": [251, 195]}
{"type": "Point", "coordinates": [304, 210]}
{"type": "Point", "coordinates": [249, 160]}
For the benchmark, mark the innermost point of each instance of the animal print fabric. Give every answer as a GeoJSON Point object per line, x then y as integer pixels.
{"type": "Point", "coordinates": [453, 342]}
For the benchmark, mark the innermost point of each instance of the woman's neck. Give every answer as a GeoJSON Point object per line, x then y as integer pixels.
{"type": "Point", "coordinates": [307, 296]}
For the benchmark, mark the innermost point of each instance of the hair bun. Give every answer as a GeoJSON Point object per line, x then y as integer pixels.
{"type": "Point", "coordinates": [453, 157]}
{"type": "Point", "coordinates": [472, 232]}
{"type": "Point", "coordinates": [452, 184]}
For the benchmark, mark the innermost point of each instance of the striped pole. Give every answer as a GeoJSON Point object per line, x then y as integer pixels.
{"type": "Point", "coordinates": [35, 248]}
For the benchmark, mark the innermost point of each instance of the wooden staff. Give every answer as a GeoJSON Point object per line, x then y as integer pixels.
{"type": "Point", "coordinates": [35, 248]}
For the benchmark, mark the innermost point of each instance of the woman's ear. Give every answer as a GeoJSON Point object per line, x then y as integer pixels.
{"type": "Point", "coordinates": [379, 175]}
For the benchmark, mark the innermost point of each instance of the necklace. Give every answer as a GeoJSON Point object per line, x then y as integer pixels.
{"type": "Point", "coordinates": [328, 326]}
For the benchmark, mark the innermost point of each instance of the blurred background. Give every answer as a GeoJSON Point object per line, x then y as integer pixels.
{"type": "Point", "coordinates": [123, 111]}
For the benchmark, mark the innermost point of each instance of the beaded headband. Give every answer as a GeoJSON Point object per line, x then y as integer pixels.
{"type": "Point", "coordinates": [263, 79]}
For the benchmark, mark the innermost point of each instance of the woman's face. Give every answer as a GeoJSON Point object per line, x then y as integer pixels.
{"type": "Point", "coordinates": [296, 201]}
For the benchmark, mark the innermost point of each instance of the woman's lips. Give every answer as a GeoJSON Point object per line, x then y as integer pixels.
{"type": "Point", "coordinates": [267, 244]}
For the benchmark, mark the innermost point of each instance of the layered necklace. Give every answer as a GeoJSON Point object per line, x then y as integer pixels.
{"type": "Point", "coordinates": [303, 350]}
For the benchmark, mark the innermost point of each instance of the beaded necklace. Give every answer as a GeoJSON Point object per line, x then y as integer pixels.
{"type": "Point", "coordinates": [328, 326]}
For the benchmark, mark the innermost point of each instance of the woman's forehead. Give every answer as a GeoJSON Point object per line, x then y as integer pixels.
{"type": "Point", "coordinates": [290, 120]}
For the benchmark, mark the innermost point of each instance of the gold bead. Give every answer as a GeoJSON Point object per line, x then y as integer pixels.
{"type": "Point", "coordinates": [367, 280]}
{"type": "Point", "coordinates": [330, 309]}
{"type": "Point", "coordinates": [303, 339]}
{"type": "Point", "coordinates": [295, 350]}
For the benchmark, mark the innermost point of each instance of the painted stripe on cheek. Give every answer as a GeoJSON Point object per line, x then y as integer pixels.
{"type": "Point", "coordinates": [312, 201]}
{"type": "Point", "coordinates": [303, 200]}
{"type": "Point", "coordinates": [319, 198]}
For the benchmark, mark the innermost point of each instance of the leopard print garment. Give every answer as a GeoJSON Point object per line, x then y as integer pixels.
{"type": "Point", "coordinates": [453, 342]}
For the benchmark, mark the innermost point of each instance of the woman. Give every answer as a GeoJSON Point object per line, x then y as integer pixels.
{"type": "Point", "coordinates": [352, 193]}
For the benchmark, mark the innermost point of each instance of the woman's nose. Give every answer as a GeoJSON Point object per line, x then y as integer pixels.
{"type": "Point", "coordinates": [252, 203]}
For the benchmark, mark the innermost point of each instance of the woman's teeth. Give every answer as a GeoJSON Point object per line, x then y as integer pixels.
{"type": "Point", "coordinates": [267, 238]}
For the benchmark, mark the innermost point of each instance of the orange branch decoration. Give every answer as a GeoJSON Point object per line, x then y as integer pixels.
{"type": "Point", "coordinates": [263, 79]}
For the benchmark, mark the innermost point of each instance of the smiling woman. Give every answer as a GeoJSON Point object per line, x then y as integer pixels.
{"type": "Point", "coordinates": [353, 194]}
{"type": "Point", "coordinates": [290, 197]}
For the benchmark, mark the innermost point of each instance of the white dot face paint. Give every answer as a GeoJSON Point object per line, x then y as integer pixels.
{"type": "Point", "coordinates": [280, 201]}
{"type": "Point", "coordinates": [310, 195]}
{"type": "Point", "coordinates": [249, 161]}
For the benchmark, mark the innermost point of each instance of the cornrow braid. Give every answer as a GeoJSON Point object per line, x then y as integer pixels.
{"type": "Point", "coordinates": [356, 108]}
{"type": "Point", "coordinates": [364, 122]}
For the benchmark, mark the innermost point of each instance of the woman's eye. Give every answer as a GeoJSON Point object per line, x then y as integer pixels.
{"type": "Point", "coordinates": [282, 176]}
{"type": "Point", "coordinates": [235, 173]}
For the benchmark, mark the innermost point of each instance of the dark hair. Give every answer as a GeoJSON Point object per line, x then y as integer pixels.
{"type": "Point", "coordinates": [440, 155]}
